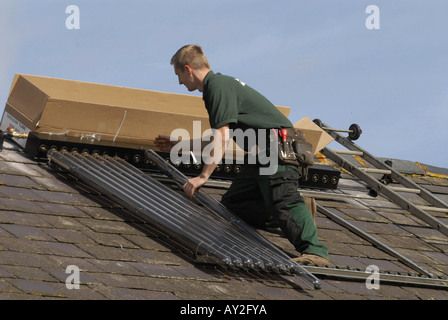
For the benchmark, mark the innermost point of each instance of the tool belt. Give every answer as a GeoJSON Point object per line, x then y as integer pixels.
{"type": "Point", "coordinates": [294, 150]}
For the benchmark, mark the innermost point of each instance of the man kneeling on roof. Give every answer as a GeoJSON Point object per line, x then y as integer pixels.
{"type": "Point", "coordinates": [259, 199]}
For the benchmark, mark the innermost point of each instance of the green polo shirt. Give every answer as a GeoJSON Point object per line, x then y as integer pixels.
{"type": "Point", "coordinates": [231, 101]}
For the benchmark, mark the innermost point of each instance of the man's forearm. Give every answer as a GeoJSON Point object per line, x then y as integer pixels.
{"type": "Point", "coordinates": [217, 151]}
{"type": "Point", "coordinates": [217, 148]}
{"type": "Point", "coordinates": [207, 170]}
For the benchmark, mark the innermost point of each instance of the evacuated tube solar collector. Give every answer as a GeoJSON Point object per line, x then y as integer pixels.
{"type": "Point", "coordinates": [211, 232]}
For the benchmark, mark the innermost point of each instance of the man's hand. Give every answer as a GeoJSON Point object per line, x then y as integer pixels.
{"type": "Point", "coordinates": [193, 185]}
{"type": "Point", "coordinates": [164, 143]}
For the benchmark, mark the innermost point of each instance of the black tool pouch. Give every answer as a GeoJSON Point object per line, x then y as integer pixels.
{"type": "Point", "coordinates": [305, 156]}
{"type": "Point", "coordinates": [286, 153]}
{"type": "Point", "coordinates": [296, 151]}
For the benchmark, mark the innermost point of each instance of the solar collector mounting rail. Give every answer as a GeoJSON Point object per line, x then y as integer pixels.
{"type": "Point", "coordinates": [212, 235]}
{"type": "Point", "coordinates": [38, 144]}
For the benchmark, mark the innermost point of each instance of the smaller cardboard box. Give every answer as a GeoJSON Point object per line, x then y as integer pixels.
{"type": "Point", "coordinates": [314, 134]}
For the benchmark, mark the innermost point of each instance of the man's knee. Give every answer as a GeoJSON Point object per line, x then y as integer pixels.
{"type": "Point", "coordinates": [250, 210]}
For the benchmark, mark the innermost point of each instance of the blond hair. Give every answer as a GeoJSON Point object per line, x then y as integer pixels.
{"type": "Point", "coordinates": [191, 55]}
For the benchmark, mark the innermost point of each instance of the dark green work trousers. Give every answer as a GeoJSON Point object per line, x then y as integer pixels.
{"type": "Point", "coordinates": [259, 199]}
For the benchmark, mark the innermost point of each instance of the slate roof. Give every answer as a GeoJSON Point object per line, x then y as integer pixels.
{"type": "Point", "coordinates": [49, 222]}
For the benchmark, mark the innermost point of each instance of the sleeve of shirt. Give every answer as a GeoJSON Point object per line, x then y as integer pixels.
{"type": "Point", "coordinates": [222, 107]}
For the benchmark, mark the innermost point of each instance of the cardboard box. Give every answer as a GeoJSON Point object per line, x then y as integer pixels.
{"type": "Point", "coordinates": [75, 108]}
{"type": "Point", "coordinates": [314, 134]}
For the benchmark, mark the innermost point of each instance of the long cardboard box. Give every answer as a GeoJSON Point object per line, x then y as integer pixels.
{"type": "Point", "coordinates": [75, 108]}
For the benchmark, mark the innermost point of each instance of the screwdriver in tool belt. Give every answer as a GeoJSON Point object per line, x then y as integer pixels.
{"type": "Point", "coordinates": [284, 134]}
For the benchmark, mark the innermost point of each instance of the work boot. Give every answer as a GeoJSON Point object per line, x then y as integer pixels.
{"type": "Point", "coordinates": [313, 260]}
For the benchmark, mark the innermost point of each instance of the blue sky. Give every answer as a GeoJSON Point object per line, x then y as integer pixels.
{"type": "Point", "coordinates": [316, 57]}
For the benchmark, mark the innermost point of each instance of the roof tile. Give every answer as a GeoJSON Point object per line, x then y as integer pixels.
{"type": "Point", "coordinates": [26, 232]}
{"type": "Point", "coordinates": [57, 209]}
{"type": "Point", "coordinates": [24, 219]}
{"type": "Point", "coordinates": [17, 181]}
{"type": "Point", "coordinates": [20, 205]}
